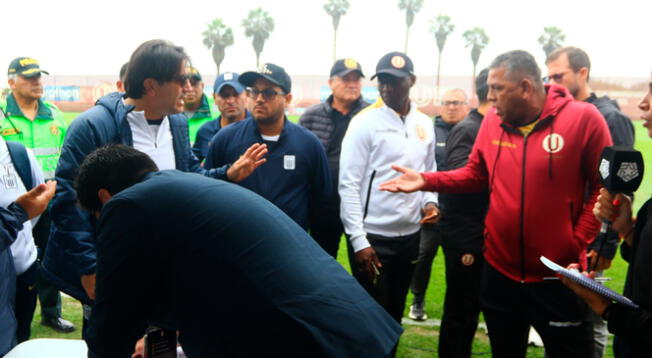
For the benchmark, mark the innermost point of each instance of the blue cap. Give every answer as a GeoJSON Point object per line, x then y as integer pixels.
{"type": "Point", "coordinates": [228, 79]}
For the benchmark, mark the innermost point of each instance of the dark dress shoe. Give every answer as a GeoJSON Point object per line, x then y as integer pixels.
{"type": "Point", "coordinates": [58, 324]}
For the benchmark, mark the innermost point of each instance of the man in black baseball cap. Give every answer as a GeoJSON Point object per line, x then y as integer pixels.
{"type": "Point", "coordinates": [329, 121]}
{"type": "Point", "coordinates": [270, 72]}
{"type": "Point", "coordinates": [384, 231]}
{"type": "Point", "coordinates": [296, 175]}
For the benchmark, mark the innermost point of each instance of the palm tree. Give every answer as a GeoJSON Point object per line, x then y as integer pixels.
{"type": "Point", "coordinates": [441, 27]}
{"type": "Point", "coordinates": [336, 9]}
{"type": "Point", "coordinates": [551, 39]}
{"type": "Point", "coordinates": [218, 36]}
{"type": "Point", "coordinates": [258, 25]}
{"type": "Point", "coordinates": [411, 7]}
{"type": "Point", "coordinates": [477, 39]}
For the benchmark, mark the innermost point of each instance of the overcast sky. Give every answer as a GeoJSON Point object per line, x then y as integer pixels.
{"type": "Point", "coordinates": [97, 37]}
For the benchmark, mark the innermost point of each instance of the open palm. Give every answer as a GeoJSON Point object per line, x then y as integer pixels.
{"type": "Point", "coordinates": [410, 181]}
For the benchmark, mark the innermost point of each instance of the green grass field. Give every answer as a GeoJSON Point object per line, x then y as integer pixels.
{"type": "Point", "coordinates": [418, 341]}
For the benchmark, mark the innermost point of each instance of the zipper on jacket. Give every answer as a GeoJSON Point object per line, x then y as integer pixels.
{"type": "Point", "coordinates": [366, 204]}
{"type": "Point", "coordinates": [572, 219]}
{"type": "Point", "coordinates": [522, 214]}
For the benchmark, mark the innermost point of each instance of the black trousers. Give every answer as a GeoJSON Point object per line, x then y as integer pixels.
{"type": "Point", "coordinates": [326, 228]}
{"type": "Point", "coordinates": [397, 255]}
{"type": "Point", "coordinates": [559, 316]}
{"type": "Point", "coordinates": [462, 301]}
{"type": "Point", "coordinates": [430, 241]}
{"type": "Point", "coordinates": [25, 302]}
{"type": "Point", "coordinates": [48, 295]}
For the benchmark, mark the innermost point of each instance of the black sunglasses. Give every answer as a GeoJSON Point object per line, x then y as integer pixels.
{"type": "Point", "coordinates": [268, 93]}
{"type": "Point", "coordinates": [181, 79]}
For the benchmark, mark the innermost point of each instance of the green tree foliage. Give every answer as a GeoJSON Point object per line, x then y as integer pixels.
{"type": "Point", "coordinates": [411, 7]}
{"type": "Point", "coordinates": [440, 27]}
{"type": "Point", "coordinates": [217, 38]}
{"type": "Point", "coordinates": [258, 25]}
{"type": "Point", "coordinates": [336, 9]}
{"type": "Point", "coordinates": [477, 40]}
{"type": "Point", "coordinates": [551, 39]}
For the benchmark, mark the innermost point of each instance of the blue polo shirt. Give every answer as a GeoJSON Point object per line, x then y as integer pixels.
{"type": "Point", "coordinates": [296, 173]}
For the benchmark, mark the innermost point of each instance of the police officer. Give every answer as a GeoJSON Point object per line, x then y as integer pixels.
{"type": "Point", "coordinates": [198, 107]}
{"type": "Point", "coordinates": [38, 125]}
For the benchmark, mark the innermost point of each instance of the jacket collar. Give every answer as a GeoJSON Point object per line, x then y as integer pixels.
{"type": "Point", "coordinates": [13, 110]}
{"type": "Point", "coordinates": [204, 110]}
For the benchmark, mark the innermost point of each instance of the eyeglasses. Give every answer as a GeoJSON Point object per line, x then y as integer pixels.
{"type": "Point", "coordinates": [194, 80]}
{"type": "Point", "coordinates": [181, 79]}
{"type": "Point", "coordinates": [557, 77]}
{"type": "Point", "coordinates": [452, 103]}
{"type": "Point", "coordinates": [268, 93]}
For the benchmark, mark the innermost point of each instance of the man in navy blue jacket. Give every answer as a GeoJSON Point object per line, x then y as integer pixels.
{"type": "Point", "coordinates": [145, 118]}
{"type": "Point", "coordinates": [297, 170]}
{"type": "Point", "coordinates": [230, 98]}
{"type": "Point", "coordinates": [165, 236]}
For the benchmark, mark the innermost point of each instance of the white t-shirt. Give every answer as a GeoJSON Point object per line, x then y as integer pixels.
{"type": "Point", "coordinates": [23, 249]}
{"type": "Point", "coordinates": [154, 139]}
{"type": "Point", "coordinates": [271, 138]}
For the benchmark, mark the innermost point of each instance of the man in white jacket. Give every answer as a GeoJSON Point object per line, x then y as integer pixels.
{"type": "Point", "coordinates": [383, 228]}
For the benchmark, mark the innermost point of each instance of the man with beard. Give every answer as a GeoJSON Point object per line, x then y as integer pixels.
{"type": "Point", "coordinates": [296, 172]}
{"type": "Point", "coordinates": [571, 67]}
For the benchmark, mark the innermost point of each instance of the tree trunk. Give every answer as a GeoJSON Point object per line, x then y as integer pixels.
{"type": "Point", "coordinates": [438, 72]}
{"type": "Point", "coordinates": [334, 45]}
{"type": "Point", "coordinates": [407, 36]}
{"type": "Point", "coordinates": [473, 89]}
{"type": "Point", "coordinates": [257, 59]}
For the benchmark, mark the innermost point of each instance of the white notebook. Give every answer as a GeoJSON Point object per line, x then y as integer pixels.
{"type": "Point", "coordinates": [589, 283]}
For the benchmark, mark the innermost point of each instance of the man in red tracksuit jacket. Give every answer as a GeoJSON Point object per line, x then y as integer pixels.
{"type": "Point", "coordinates": [537, 152]}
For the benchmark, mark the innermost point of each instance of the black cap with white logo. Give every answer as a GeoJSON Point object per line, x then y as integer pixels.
{"type": "Point", "coordinates": [272, 73]}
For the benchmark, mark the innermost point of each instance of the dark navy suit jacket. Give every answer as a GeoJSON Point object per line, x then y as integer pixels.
{"type": "Point", "coordinates": [230, 271]}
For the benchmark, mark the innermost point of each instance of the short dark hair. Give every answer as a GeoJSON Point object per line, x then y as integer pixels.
{"type": "Point", "coordinates": [157, 59]}
{"type": "Point", "coordinates": [577, 58]}
{"type": "Point", "coordinates": [519, 64]}
{"type": "Point", "coordinates": [481, 88]}
{"type": "Point", "coordinates": [123, 71]}
{"type": "Point", "coordinates": [113, 167]}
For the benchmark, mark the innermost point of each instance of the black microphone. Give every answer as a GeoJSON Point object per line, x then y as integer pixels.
{"type": "Point", "coordinates": [621, 171]}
